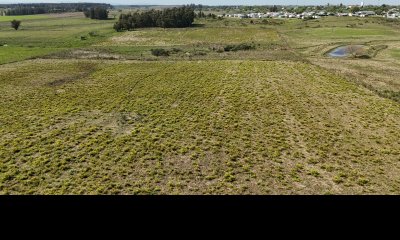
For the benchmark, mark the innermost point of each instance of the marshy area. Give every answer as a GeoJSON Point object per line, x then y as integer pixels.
{"type": "Point", "coordinates": [355, 51]}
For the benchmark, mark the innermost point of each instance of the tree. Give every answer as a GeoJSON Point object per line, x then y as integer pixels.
{"type": "Point", "coordinates": [96, 13]}
{"type": "Point", "coordinates": [299, 10]}
{"type": "Point", "coordinates": [15, 24]}
{"type": "Point", "coordinates": [355, 9]}
{"type": "Point", "coordinates": [119, 26]}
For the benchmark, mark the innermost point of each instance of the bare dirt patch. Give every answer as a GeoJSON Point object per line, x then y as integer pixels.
{"type": "Point", "coordinates": [85, 72]}
{"type": "Point", "coordinates": [85, 54]}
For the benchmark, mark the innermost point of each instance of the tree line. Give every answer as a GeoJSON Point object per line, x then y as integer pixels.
{"type": "Point", "coordinates": [167, 18]}
{"type": "Point", "coordinates": [41, 8]}
{"type": "Point", "coordinates": [96, 13]}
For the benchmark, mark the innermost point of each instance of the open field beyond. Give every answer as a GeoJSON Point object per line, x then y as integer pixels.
{"type": "Point", "coordinates": [48, 33]}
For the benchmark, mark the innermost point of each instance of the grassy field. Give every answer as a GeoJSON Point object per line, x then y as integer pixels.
{"type": "Point", "coordinates": [194, 36]}
{"type": "Point", "coordinates": [105, 116]}
{"type": "Point", "coordinates": [396, 53]}
{"type": "Point", "coordinates": [23, 18]}
{"type": "Point", "coordinates": [12, 54]}
{"type": "Point", "coordinates": [43, 34]}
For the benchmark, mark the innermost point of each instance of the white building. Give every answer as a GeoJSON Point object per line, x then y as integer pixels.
{"type": "Point", "coordinates": [393, 13]}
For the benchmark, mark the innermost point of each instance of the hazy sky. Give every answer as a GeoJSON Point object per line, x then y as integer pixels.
{"type": "Point", "coordinates": [217, 2]}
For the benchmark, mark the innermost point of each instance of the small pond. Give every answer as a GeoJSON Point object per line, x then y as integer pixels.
{"type": "Point", "coordinates": [344, 51]}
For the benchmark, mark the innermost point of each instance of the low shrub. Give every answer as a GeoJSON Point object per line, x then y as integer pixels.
{"type": "Point", "coordinates": [158, 52]}
{"type": "Point", "coordinates": [239, 47]}
{"type": "Point", "coordinates": [93, 34]}
{"type": "Point", "coordinates": [176, 50]}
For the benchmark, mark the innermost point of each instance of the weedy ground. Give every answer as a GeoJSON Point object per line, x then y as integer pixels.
{"type": "Point", "coordinates": [281, 119]}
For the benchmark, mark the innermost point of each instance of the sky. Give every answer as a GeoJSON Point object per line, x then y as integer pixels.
{"type": "Point", "coordinates": [216, 2]}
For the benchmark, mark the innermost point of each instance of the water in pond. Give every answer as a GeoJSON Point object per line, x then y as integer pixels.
{"type": "Point", "coordinates": [345, 51]}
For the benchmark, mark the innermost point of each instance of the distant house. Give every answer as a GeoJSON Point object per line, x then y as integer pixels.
{"type": "Point", "coordinates": [393, 13]}
{"type": "Point", "coordinates": [255, 15]}
{"type": "Point", "coordinates": [365, 13]}
{"type": "Point", "coordinates": [239, 15]}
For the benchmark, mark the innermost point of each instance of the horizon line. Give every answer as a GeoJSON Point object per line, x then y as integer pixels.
{"type": "Point", "coordinates": [216, 5]}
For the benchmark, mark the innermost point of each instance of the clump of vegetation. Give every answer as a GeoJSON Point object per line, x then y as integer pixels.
{"type": "Point", "coordinates": [164, 52]}
{"type": "Point", "coordinates": [93, 34]}
{"type": "Point", "coordinates": [357, 52]}
{"type": "Point", "coordinates": [176, 50]}
{"type": "Point", "coordinates": [389, 94]}
{"type": "Point", "coordinates": [15, 24]}
{"type": "Point", "coordinates": [362, 56]}
{"type": "Point", "coordinates": [120, 26]}
{"type": "Point", "coordinates": [351, 25]}
{"type": "Point", "coordinates": [272, 22]}
{"type": "Point", "coordinates": [374, 50]}
{"type": "Point", "coordinates": [314, 172]}
{"type": "Point", "coordinates": [362, 181]}
{"type": "Point", "coordinates": [158, 52]}
{"type": "Point", "coordinates": [338, 179]}
{"type": "Point", "coordinates": [239, 47]}
{"type": "Point", "coordinates": [199, 53]}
